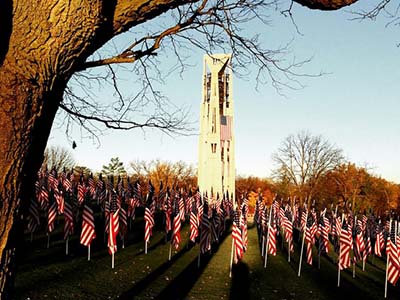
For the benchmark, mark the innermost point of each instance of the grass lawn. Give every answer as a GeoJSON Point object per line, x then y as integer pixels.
{"type": "Point", "coordinates": [50, 274]}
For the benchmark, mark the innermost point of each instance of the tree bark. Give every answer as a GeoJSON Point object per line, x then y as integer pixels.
{"type": "Point", "coordinates": [325, 4]}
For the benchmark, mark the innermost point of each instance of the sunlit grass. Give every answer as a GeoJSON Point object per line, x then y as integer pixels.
{"type": "Point", "coordinates": [50, 274]}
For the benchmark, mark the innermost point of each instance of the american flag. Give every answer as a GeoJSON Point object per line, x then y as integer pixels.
{"type": "Point", "coordinates": [205, 230]}
{"type": "Point", "coordinates": [272, 238]}
{"type": "Point", "coordinates": [309, 239]}
{"type": "Point", "coordinates": [392, 250]}
{"type": "Point", "coordinates": [81, 192]}
{"type": "Point", "coordinates": [237, 238]}
{"type": "Point", "coordinates": [168, 212]}
{"type": "Point", "coordinates": [360, 246]}
{"type": "Point", "coordinates": [338, 226]}
{"type": "Point", "coordinates": [51, 216]}
{"type": "Point", "coordinates": [176, 230]}
{"type": "Point", "coordinates": [43, 197]}
{"type": "Point", "coordinates": [324, 231]}
{"type": "Point", "coordinates": [67, 184]}
{"type": "Point", "coordinates": [92, 186]}
{"type": "Point", "coordinates": [149, 223]}
{"type": "Point", "coordinates": [181, 208]}
{"type": "Point", "coordinates": [58, 195]}
{"type": "Point", "coordinates": [367, 243]}
{"type": "Point", "coordinates": [226, 128]}
{"type": "Point", "coordinates": [123, 222]}
{"type": "Point", "coordinates": [137, 190]}
{"type": "Point", "coordinates": [194, 222]}
{"type": "Point", "coordinates": [379, 243]}
{"type": "Point", "coordinates": [33, 217]}
{"type": "Point", "coordinates": [243, 224]}
{"type": "Point", "coordinates": [52, 179]}
{"type": "Point", "coordinates": [345, 247]}
{"type": "Point", "coordinates": [113, 231]}
{"type": "Point", "coordinates": [69, 220]}
{"type": "Point", "coordinates": [288, 225]}
{"type": "Point", "coordinates": [303, 220]}
{"type": "Point", "coordinates": [88, 231]}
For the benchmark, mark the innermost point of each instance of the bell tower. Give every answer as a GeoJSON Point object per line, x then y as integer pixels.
{"type": "Point", "coordinates": [216, 167]}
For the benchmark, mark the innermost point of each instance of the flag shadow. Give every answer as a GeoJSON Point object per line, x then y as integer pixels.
{"type": "Point", "coordinates": [145, 282]}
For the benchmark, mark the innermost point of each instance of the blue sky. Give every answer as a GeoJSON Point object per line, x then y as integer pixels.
{"type": "Point", "coordinates": [355, 105]}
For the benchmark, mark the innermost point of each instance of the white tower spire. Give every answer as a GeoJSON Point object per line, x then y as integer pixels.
{"type": "Point", "coordinates": [216, 169]}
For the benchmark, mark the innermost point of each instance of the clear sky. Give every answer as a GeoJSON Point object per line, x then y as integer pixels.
{"type": "Point", "coordinates": [355, 105]}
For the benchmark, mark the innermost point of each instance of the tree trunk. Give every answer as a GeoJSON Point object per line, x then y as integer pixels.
{"type": "Point", "coordinates": [41, 49]}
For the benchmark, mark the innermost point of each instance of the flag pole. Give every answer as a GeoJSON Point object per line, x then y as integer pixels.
{"type": "Point", "coordinates": [302, 245]}
{"type": "Point", "coordinates": [66, 246]}
{"type": "Point", "coordinates": [48, 240]}
{"type": "Point", "coordinates": [340, 254]}
{"type": "Point", "coordinates": [170, 250]}
{"type": "Point", "coordinates": [112, 260]}
{"type": "Point", "coordinates": [88, 258]}
{"type": "Point", "coordinates": [267, 246]}
{"type": "Point", "coordinates": [145, 247]}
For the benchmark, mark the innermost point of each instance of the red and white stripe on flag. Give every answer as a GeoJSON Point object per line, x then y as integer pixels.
{"type": "Point", "coordinates": [88, 232]}
{"type": "Point", "coordinates": [226, 128]}
{"type": "Point", "coordinates": [113, 232]}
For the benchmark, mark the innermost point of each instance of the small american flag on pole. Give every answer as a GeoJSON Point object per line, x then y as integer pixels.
{"type": "Point", "coordinates": [226, 128]}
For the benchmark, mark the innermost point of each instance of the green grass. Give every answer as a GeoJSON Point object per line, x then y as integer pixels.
{"type": "Point", "coordinates": [50, 274]}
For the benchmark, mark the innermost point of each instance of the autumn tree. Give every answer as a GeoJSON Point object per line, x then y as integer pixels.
{"type": "Point", "coordinates": [43, 44]}
{"type": "Point", "coordinates": [302, 160]}
{"type": "Point", "coordinates": [58, 158]}
{"type": "Point", "coordinates": [171, 174]}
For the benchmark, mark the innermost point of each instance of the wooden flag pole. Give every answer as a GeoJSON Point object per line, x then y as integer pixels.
{"type": "Point", "coordinates": [288, 259]}
{"type": "Point", "coordinates": [231, 261]}
{"type": "Point", "coordinates": [88, 253]}
{"type": "Point", "coordinates": [340, 254]}
{"type": "Point", "coordinates": [48, 240]}
{"type": "Point", "coordinates": [301, 253]}
{"type": "Point", "coordinates": [302, 246]}
{"type": "Point", "coordinates": [170, 250]}
{"type": "Point", "coordinates": [66, 246]}
{"type": "Point", "coordinates": [363, 263]}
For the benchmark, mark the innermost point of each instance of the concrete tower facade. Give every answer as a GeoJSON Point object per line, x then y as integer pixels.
{"type": "Point", "coordinates": [216, 168]}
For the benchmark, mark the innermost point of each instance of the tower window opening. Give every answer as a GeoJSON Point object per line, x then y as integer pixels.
{"type": "Point", "coordinates": [213, 147]}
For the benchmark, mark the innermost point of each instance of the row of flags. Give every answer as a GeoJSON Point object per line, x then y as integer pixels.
{"type": "Point", "coordinates": [354, 237]}
{"type": "Point", "coordinates": [77, 199]}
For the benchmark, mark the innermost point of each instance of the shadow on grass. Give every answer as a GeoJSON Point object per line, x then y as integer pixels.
{"type": "Point", "coordinates": [182, 284]}
{"type": "Point", "coordinates": [240, 288]}
{"type": "Point", "coordinates": [145, 282]}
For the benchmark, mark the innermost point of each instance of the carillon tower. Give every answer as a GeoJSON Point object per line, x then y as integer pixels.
{"type": "Point", "coordinates": [216, 169]}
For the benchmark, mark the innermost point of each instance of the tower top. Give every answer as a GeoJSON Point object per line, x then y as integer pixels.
{"type": "Point", "coordinates": [216, 62]}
